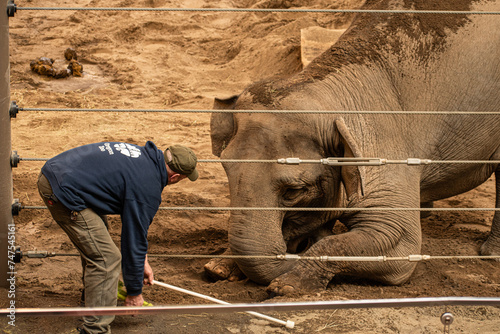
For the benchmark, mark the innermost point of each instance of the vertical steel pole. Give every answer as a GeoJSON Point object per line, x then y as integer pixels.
{"type": "Point", "coordinates": [6, 196]}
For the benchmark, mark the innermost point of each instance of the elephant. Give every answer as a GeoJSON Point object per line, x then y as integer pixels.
{"type": "Point", "coordinates": [385, 63]}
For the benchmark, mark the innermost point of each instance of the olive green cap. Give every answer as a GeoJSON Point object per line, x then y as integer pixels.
{"type": "Point", "coordinates": [183, 161]}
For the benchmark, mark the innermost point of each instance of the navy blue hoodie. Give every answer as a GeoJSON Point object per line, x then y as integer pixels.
{"type": "Point", "coordinates": [114, 178]}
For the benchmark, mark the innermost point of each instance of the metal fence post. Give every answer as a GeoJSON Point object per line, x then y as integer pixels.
{"type": "Point", "coordinates": [5, 145]}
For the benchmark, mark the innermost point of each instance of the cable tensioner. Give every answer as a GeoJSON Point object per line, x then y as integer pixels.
{"type": "Point", "coordinates": [31, 254]}
{"type": "Point", "coordinates": [11, 8]}
{"type": "Point", "coordinates": [14, 109]}
{"type": "Point", "coordinates": [16, 207]}
{"type": "Point", "coordinates": [14, 159]}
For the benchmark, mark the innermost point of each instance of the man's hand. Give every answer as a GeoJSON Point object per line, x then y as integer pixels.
{"type": "Point", "coordinates": [148, 273]}
{"type": "Point", "coordinates": [134, 300]}
{"type": "Point", "coordinates": [148, 280]}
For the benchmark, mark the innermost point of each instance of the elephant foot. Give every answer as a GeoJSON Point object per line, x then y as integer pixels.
{"type": "Point", "coordinates": [223, 269]}
{"type": "Point", "coordinates": [296, 283]}
{"type": "Point", "coordinates": [487, 249]}
{"type": "Point", "coordinates": [280, 288]}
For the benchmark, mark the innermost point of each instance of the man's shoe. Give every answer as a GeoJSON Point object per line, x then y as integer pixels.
{"type": "Point", "coordinates": [81, 330]}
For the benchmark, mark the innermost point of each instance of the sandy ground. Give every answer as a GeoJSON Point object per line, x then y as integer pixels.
{"type": "Point", "coordinates": [181, 60]}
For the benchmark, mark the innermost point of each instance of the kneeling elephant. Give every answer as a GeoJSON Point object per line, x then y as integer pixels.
{"type": "Point", "coordinates": [408, 63]}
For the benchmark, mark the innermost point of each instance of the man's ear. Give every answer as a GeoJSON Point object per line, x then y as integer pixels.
{"type": "Point", "coordinates": [353, 177]}
{"type": "Point", "coordinates": [222, 124]}
{"type": "Point", "coordinates": [175, 178]}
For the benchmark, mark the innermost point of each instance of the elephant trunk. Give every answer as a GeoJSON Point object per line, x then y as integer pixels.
{"type": "Point", "coordinates": [258, 233]}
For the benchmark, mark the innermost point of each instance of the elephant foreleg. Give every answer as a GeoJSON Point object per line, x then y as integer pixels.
{"type": "Point", "coordinates": [389, 239]}
{"type": "Point", "coordinates": [223, 269]}
{"type": "Point", "coordinates": [492, 244]}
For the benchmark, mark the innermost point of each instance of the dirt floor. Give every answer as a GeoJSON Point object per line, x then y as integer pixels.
{"type": "Point", "coordinates": [182, 60]}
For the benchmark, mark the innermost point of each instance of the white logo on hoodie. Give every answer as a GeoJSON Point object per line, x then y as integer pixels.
{"type": "Point", "coordinates": [128, 150]}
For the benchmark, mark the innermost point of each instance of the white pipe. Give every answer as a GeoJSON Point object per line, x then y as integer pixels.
{"type": "Point", "coordinates": [283, 307]}
{"type": "Point", "coordinates": [287, 324]}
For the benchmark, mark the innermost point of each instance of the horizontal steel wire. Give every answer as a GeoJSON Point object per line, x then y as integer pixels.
{"type": "Point", "coordinates": [193, 208]}
{"type": "Point", "coordinates": [342, 163]}
{"type": "Point", "coordinates": [292, 257]}
{"type": "Point", "coordinates": [402, 112]}
{"type": "Point", "coordinates": [261, 307]}
{"type": "Point", "coordinates": [322, 209]}
{"type": "Point", "coordinates": [267, 10]}
{"type": "Point", "coordinates": [33, 159]}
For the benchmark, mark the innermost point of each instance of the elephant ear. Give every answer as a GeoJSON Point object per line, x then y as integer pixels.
{"type": "Point", "coordinates": [222, 124]}
{"type": "Point", "coordinates": [353, 177]}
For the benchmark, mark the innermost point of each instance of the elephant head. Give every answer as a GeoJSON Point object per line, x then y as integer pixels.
{"type": "Point", "coordinates": [254, 136]}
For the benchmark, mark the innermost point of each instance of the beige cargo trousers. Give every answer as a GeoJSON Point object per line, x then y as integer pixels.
{"type": "Point", "coordinates": [101, 258]}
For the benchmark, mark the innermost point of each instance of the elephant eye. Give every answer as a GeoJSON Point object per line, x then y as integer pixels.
{"type": "Point", "coordinates": [293, 193]}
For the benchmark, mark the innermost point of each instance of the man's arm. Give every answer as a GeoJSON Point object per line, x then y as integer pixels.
{"type": "Point", "coordinates": [136, 217]}
{"type": "Point", "coordinates": [148, 280]}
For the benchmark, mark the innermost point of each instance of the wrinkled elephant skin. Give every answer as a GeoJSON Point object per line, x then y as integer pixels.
{"type": "Point", "coordinates": [382, 63]}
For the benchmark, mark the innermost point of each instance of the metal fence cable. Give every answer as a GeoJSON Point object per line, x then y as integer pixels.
{"type": "Point", "coordinates": [263, 10]}
{"type": "Point", "coordinates": [295, 257]}
{"type": "Point", "coordinates": [333, 161]}
{"type": "Point", "coordinates": [290, 257]}
{"type": "Point", "coordinates": [193, 208]}
{"type": "Point", "coordinates": [388, 112]}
